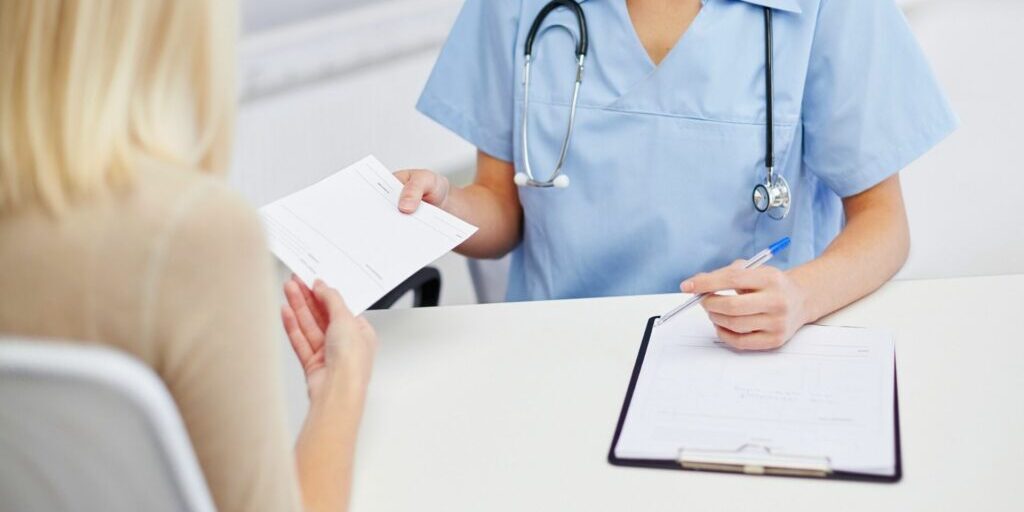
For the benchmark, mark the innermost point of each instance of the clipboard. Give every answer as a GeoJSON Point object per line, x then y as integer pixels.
{"type": "Point", "coordinates": [747, 459]}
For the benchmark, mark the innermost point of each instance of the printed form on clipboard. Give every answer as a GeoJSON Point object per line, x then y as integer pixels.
{"type": "Point", "coordinates": [823, 405]}
{"type": "Point", "coordinates": [347, 231]}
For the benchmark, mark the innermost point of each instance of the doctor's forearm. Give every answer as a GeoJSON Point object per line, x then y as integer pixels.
{"type": "Point", "coordinates": [871, 248]}
{"type": "Point", "coordinates": [491, 203]}
{"type": "Point", "coordinates": [498, 221]}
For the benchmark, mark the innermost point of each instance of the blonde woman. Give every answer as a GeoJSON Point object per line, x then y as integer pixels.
{"type": "Point", "coordinates": [116, 229]}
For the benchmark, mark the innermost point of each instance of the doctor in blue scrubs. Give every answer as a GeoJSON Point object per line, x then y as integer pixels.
{"type": "Point", "coordinates": [669, 141]}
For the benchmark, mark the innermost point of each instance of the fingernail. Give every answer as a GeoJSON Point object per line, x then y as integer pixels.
{"type": "Point", "coordinates": [406, 205]}
{"type": "Point", "coordinates": [687, 286]}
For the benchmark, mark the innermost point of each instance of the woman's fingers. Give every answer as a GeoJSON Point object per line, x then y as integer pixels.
{"type": "Point", "coordinates": [316, 361]}
{"type": "Point", "coordinates": [300, 344]}
{"type": "Point", "coordinates": [314, 305]}
{"type": "Point", "coordinates": [304, 316]}
{"type": "Point", "coordinates": [333, 303]}
{"type": "Point", "coordinates": [309, 359]}
{"type": "Point", "coordinates": [350, 342]}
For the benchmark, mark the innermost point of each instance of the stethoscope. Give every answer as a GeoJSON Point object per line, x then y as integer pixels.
{"type": "Point", "coordinates": [772, 196]}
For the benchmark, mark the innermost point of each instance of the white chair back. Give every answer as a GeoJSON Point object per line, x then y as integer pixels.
{"type": "Point", "coordinates": [89, 428]}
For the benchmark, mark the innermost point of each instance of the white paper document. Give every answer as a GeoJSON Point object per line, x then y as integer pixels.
{"type": "Point", "coordinates": [347, 231]}
{"type": "Point", "coordinates": [828, 393]}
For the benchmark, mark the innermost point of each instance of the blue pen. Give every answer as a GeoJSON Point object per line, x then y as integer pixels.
{"type": "Point", "coordinates": [760, 259]}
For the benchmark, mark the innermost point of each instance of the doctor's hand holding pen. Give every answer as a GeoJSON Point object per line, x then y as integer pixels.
{"type": "Point", "coordinates": [767, 309]}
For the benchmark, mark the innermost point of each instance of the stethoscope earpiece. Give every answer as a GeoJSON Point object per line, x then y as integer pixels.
{"type": "Point", "coordinates": [562, 181]}
{"type": "Point", "coordinates": [521, 179]}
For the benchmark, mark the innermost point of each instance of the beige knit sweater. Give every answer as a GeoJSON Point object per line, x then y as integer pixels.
{"type": "Point", "coordinates": [175, 271]}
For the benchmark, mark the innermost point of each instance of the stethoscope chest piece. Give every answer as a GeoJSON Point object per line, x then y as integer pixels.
{"type": "Point", "coordinates": [773, 197]}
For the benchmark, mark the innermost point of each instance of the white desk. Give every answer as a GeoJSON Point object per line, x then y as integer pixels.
{"type": "Point", "coordinates": [512, 407]}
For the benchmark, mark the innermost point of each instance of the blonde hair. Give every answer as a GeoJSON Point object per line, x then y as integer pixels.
{"type": "Point", "coordinates": [88, 86]}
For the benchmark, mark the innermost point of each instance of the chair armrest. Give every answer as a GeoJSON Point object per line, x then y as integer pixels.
{"type": "Point", "coordinates": [425, 286]}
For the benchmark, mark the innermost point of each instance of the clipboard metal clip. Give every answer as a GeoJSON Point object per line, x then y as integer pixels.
{"type": "Point", "coordinates": [754, 459]}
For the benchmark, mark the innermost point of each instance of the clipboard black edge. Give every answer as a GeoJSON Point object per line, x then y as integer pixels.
{"type": "Point", "coordinates": [671, 464]}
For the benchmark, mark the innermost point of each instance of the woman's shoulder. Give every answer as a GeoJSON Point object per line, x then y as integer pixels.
{"type": "Point", "coordinates": [207, 262]}
{"type": "Point", "coordinates": [195, 209]}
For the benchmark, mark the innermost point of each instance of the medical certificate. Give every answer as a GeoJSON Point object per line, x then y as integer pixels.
{"type": "Point", "coordinates": [347, 231]}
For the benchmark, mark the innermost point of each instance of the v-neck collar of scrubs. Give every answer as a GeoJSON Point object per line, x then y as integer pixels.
{"type": "Point", "coordinates": [633, 61]}
{"type": "Point", "coordinates": [638, 46]}
{"type": "Point", "coordinates": [782, 5]}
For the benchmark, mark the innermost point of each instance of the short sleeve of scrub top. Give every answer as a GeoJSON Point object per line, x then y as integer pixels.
{"type": "Point", "coordinates": [871, 103]}
{"type": "Point", "coordinates": [471, 89]}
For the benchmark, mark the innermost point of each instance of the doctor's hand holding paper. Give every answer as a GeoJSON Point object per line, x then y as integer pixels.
{"type": "Point", "coordinates": [698, 131]}
{"type": "Point", "coordinates": [491, 201]}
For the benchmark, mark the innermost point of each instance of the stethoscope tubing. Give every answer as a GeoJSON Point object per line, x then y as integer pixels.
{"type": "Point", "coordinates": [559, 166]}
{"type": "Point", "coordinates": [773, 193]}
{"type": "Point", "coordinates": [769, 93]}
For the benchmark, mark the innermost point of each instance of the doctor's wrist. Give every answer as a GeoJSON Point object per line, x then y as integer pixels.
{"type": "Point", "coordinates": [807, 307]}
{"type": "Point", "coordinates": [446, 199]}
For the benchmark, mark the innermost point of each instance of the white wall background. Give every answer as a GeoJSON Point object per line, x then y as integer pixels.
{"type": "Point", "coordinates": [966, 198]}
{"type": "Point", "coordinates": [321, 93]}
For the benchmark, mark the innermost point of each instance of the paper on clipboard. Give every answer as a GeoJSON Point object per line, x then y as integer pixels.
{"type": "Point", "coordinates": [827, 393]}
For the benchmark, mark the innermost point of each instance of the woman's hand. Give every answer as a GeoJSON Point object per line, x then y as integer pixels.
{"type": "Point", "coordinates": [422, 185]}
{"type": "Point", "coordinates": [333, 347]}
{"type": "Point", "coordinates": [764, 314]}
{"type": "Point", "coordinates": [336, 352]}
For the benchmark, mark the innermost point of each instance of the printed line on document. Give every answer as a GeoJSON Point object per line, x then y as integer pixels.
{"type": "Point", "coordinates": [373, 275]}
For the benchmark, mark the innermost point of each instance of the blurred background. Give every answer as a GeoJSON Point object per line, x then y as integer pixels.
{"type": "Point", "coordinates": [326, 82]}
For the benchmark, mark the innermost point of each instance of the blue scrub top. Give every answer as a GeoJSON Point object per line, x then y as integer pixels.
{"type": "Point", "coordinates": [664, 158]}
